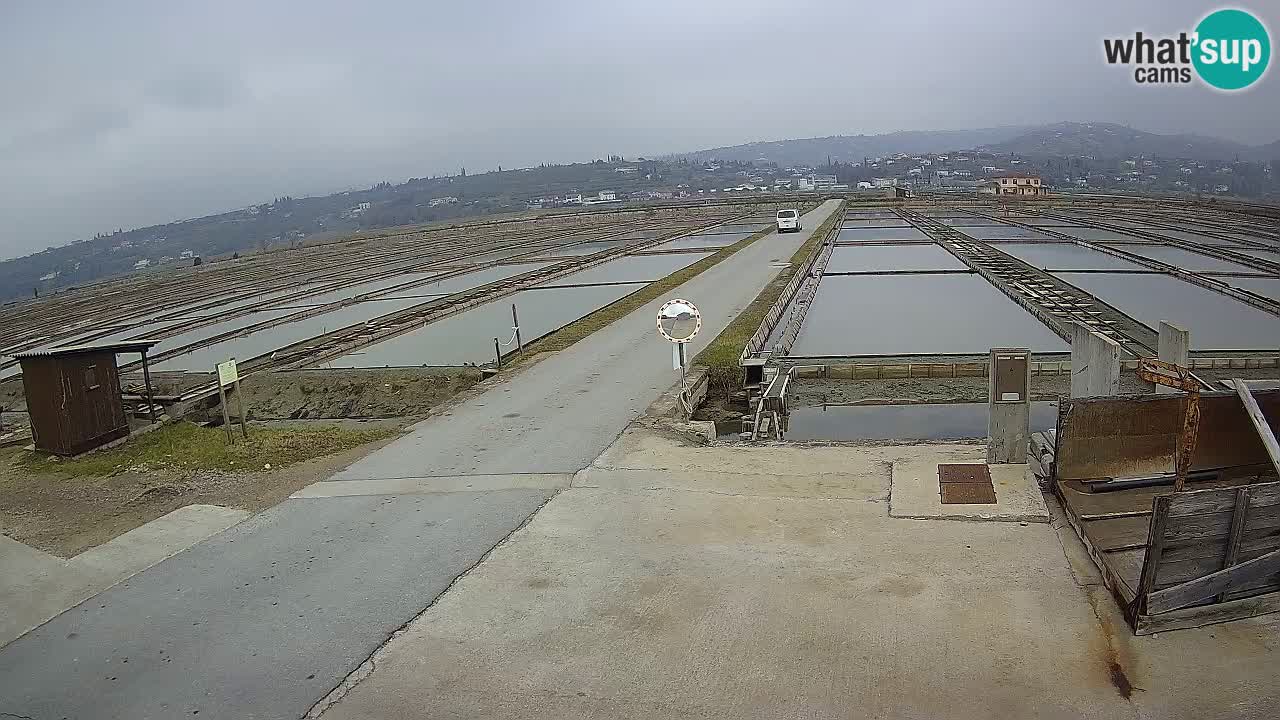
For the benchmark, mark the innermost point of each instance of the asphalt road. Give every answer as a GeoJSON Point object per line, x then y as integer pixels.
{"type": "Point", "coordinates": [263, 620]}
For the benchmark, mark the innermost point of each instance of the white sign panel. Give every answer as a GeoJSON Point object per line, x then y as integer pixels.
{"type": "Point", "coordinates": [227, 373]}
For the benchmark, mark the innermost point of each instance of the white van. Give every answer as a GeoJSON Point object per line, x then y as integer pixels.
{"type": "Point", "coordinates": [788, 221]}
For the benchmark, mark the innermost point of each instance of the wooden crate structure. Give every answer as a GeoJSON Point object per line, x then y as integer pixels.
{"type": "Point", "coordinates": [1212, 555]}
{"type": "Point", "coordinates": [1173, 560]}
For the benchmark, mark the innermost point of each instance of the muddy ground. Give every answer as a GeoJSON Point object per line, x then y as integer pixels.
{"type": "Point", "coordinates": [11, 397]}
{"type": "Point", "coordinates": [67, 513]}
{"type": "Point", "coordinates": [383, 393]}
{"type": "Point", "coordinates": [808, 392]}
{"type": "Point", "coordinates": [316, 393]}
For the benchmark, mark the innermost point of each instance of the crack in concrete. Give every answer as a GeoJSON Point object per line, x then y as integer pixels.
{"type": "Point", "coordinates": [366, 668]}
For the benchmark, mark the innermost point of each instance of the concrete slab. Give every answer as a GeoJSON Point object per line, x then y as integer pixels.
{"type": "Point", "coordinates": [19, 561]}
{"type": "Point", "coordinates": [38, 586]}
{"type": "Point", "coordinates": [668, 603]}
{"type": "Point", "coordinates": [426, 485]}
{"type": "Point", "coordinates": [144, 546]}
{"type": "Point", "coordinates": [915, 490]}
{"type": "Point", "coordinates": [261, 620]}
{"type": "Point", "coordinates": [835, 486]}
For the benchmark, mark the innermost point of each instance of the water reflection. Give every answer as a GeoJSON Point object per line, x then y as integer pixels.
{"type": "Point", "coordinates": [949, 421]}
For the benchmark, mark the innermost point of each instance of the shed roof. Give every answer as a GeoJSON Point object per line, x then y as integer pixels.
{"type": "Point", "coordinates": [122, 346]}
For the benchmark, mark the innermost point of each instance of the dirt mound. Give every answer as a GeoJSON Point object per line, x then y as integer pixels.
{"type": "Point", "coordinates": [382, 393]}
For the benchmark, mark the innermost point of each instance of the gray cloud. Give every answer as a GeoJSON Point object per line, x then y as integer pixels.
{"type": "Point", "coordinates": [131, 113]}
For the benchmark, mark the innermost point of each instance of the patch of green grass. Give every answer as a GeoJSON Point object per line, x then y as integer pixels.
{"type": "Point", "coordinates": [187, 446]}
{"type": "Point", "coordinates": [722, 355]}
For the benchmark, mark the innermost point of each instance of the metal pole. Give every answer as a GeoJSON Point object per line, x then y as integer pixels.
{"type": "Point", "coordinates": [515, 321]}
{"type": "Point", "coordinates": [684, 400]}
{"type": "Point", "coordinates": [146, 379]}
{"type": "Point", "coordinates": [497, 352]}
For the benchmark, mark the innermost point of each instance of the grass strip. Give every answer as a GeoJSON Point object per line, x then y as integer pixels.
{"type": "Point", "coordinates": [722, 355]}
{"type": "Point", "coordinates": [187, 446]}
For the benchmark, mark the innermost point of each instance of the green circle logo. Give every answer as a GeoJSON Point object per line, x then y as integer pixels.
{"type": "Point", "coordinates": [1232, 49]}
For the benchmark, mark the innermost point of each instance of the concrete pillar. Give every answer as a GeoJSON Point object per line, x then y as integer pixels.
{"type": "Point", "coordinates": [1009, 403]}
{"type": "Point", "coordinates": [1174, 347]}
{"type": "Point", "coordinates": [1095, 363]}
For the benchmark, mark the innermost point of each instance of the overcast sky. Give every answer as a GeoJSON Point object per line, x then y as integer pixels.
{"type": "Point", "coordinates": [125, 114]}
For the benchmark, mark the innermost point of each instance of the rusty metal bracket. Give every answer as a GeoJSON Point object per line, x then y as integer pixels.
{"type": "Point", "coordinates": [1175, 376]}
{"type": "Point", "coordinates": [1168, 375]}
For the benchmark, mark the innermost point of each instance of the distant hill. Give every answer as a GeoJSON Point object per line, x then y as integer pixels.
{"type": "Point", "coordinates": [1270, 151]}
{"type": "Point", "coordinates": [853, 148]}
{"type": "Point", "coordinates": [287, 221]}
{"type": "Point", "coordinates": [1098, 140]}
{"type": "Point", "coordinates": [1107, 140]}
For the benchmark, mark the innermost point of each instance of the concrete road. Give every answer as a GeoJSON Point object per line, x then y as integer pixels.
{"type": "Point", "coordinates": [773, 582]}
{"type": "Point", "coordinates": [265, 619]}
{"type": "Point", "coordinates": [559, 415]}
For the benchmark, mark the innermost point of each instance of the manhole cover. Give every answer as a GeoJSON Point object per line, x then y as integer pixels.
{"type": "Point", "coordinates": [960, 493]}
{"type": "Point", "coordinates": [964, 473]}
{"type": "Point", "coordinates": [966, 484]}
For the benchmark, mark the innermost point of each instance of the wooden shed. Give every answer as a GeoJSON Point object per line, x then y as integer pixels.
{"type": "Point", "coordinates": [74, 396]}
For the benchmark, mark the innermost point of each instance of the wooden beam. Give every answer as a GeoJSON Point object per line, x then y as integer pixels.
{"type": "Point", "coordinates": [1202, 615]}
{"type": "Point", "coordinates": [1236, 533]}
{"type": "Point", "coordinates": [1259, 422]}
{"type": "Point", "coordinates": [1180, 596]}
{"type": "Point", "coordinates": [1151, 562]}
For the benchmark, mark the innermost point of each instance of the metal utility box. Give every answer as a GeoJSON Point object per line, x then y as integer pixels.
{"type": "Point", "coordinates": [1010, 379]}
{"type": "Point", "coordinates": [1009, 422]}
{"type": "Point", "coordinates": [73, 396]}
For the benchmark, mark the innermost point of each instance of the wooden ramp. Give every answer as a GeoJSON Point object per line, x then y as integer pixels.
{"type": "Point", "coordinates": [1174, 560]}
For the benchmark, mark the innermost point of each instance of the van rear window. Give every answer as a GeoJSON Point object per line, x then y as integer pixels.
{"type": "Point", "coordinates": [786, 213]}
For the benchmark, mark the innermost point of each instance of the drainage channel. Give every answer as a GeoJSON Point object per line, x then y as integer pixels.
{"type": "Point", "coordinates": [1054, 302]}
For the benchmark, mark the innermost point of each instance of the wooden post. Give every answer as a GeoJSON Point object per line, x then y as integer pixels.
{"type": "Point", "coordinates": [146, 379]}
{"type": "Point", "coordinates": [1236, 533]}
{"type": "Point", "coordinates": [244, 420]}
{"type": "Point", "coordinates": [226, 416]}
{"type": "Point", "coordinates": [1151, 561]}
{"type": "Point", "coordinates": [497, 352]}
{"type": "Point", "coordinates": [1259, 422]}
{"type": "Point", "coordinates": [515, 322]}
